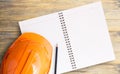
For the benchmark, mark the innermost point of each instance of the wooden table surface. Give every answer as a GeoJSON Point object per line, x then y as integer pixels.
{"type": "Point", "coordinates": [12, 11]}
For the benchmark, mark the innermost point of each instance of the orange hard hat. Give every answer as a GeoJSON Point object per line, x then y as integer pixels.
{"type": "Point", "coordinates": [29, 54]}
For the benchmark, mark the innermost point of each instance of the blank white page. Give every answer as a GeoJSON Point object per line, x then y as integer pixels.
{"type": "Point", "coordinates": [88, 33]}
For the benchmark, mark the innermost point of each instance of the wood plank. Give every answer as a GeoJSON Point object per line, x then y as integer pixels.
{"type": "Point", "coordinates": [9, 26]}
{"type": "Point", "coordinates": [25, 10]}
{"type": "Point", "coordinates": [113, 25]}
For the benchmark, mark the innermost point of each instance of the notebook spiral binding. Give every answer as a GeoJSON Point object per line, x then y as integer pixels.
{"type": "Point", "coordinates": [67, 40]}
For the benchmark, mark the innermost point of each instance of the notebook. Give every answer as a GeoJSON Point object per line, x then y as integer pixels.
{"type": "Point", "coordinates": [81, 34]}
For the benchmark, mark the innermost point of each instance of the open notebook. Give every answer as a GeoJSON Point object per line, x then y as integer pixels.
{"type": "Point", "coordinates": [81, 33]}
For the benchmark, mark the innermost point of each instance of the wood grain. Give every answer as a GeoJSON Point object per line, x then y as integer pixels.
{"type": "Point", "coordinates": [12, 11]}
